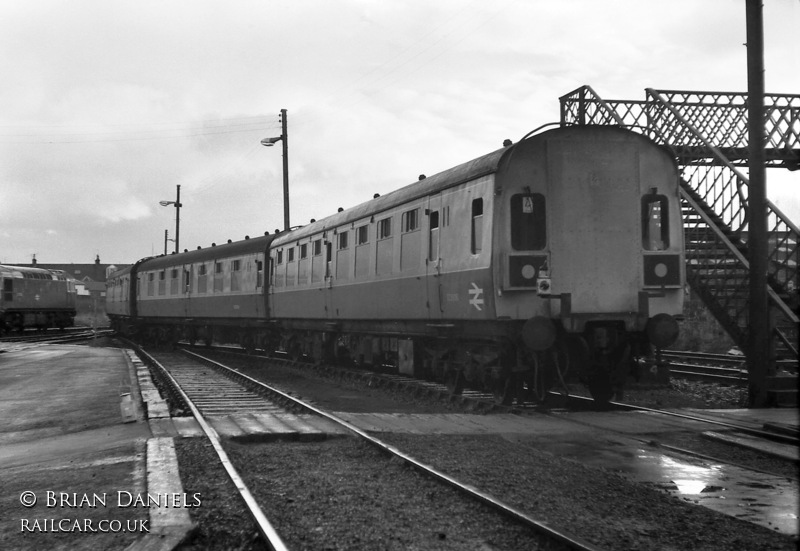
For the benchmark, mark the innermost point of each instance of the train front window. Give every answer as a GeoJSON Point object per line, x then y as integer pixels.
{"type": "Point", "coordinates": [528, 222]}
{"type": "Point", "coordinates": [655, 222]}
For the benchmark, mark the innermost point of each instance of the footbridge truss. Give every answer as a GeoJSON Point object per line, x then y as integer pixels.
{"type": "Point", "coordinates": [708, 134]}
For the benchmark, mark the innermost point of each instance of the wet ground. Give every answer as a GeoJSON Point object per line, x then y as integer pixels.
{"type": "Point", "coordinates": [614, 441]}
{"type": "Point", "coordinates": [618, 442]}
{"type": "Point", "coordinates": [66, 450]}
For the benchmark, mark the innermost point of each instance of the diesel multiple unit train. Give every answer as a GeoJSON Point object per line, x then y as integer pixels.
{"type": "Point", "coordinates": [557, 257]}
{"type": "Point", "coordinates": [35, 297]}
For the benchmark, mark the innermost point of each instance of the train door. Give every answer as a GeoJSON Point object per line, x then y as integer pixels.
{"type": "Point", "coordinates": [186, 288]}
{"type": "Point", "coordinates": [434, 260]}
{"type": "Point", "coordinates": [329, 267]}
{"type": "Point", "coordinates": [262, 301]}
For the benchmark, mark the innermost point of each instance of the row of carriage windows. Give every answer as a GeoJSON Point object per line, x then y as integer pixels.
{"type": "Point", "coordinates": [168, 282]}
{"type": "Point", "coordinates": [348, 239]}
{"type": "Point", "coordinates": [528, 232]}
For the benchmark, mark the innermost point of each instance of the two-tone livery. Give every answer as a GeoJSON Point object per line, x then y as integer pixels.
{"type": "Point", "coordinates": [35, 298]}
{"type": "Point", "coordinates": [561, 254]}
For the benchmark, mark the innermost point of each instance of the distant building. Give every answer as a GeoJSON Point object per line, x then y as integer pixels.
{"type": "Point", "coordinates": [90, 278]}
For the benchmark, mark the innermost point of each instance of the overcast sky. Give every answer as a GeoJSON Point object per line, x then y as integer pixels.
{"type": "Point", "coordinates": [106, 106]}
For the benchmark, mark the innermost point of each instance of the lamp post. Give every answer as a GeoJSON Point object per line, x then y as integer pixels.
{"type": "Point", "coordinates": [269, 142]}
{"type": "Point", "coordinates": [177, 203]}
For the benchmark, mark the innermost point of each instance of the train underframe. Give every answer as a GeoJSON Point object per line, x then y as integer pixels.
{"type": "Point", "coordinates": [18, 320]}
{"type": "Point", "coordinates": [493, 357]}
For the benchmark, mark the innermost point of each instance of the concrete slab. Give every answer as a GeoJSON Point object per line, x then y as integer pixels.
{"type": "Point", "coordinates": [754, 418]}
{"type": "Point", "coordinates": [777, 449]}
{"type": "Point", "coordinates": [66, 451]}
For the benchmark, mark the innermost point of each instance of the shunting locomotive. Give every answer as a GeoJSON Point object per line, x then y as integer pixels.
{"type": "Point", "coordinates": [35, 298]}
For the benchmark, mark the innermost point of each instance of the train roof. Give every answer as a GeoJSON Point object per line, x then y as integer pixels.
{"type": "Point", "coordinates": [476, 168]}
{"type": "Point", "coordinates": [226, 250]}
{"type": "Point", "coordinates": [482, 166]}
{"type": "Point", "coordinates": [32, 273]}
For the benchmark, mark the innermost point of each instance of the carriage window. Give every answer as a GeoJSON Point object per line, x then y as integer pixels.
{"type": "Point", "coordinates": [362, 235]}
{"type": "Point", "coordinates": [410, 220]}
{"type": "Point", "coordinates": [290, 254]}
{"type": "Point", "coordinates": [342, 241]}
{"type": "Point", "coordinates": [259, 274]}
{"type": "Point", "coordinates": [304, 251]}
{"type": "Point", "coordinates": [528, 222]}
{"type": "Point", "coordinates": [280, 257]}
{"type": "Point", "coordinates": [655, 222]}
{"type": "Point", "coordinates": [317, 247]}
{"type": "Point", "coordinates": [384, 228]}
{"type": "Point", "coordinates": [477, 226]}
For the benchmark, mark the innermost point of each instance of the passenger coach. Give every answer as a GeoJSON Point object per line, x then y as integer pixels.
{"type": "Point", "coordinates": [564, 250]}
{"type": "Point", "coordinates": [558, 256]}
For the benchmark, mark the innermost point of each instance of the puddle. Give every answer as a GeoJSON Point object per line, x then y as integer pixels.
{"type": "Point", "coordinates": [688, 478]}
{"type": "Point", "coordinates": [767, 500]}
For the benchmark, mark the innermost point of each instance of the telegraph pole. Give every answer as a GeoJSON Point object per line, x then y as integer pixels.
{"type": "Point", "coordinates": [284, 139]}
{"type": "Point", "coordinates": [178, 220]}
{"type": "Point", "coordinates": [285, 142]}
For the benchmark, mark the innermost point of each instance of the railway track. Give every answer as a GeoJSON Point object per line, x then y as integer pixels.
{"type": "Point", "coordinates": [719, 368]}
{"type": "Point", "coordinates": [784, 437]}
{"type": "Point", "coordinates": [210, 390]}
{"type": "Point", "coordinates": [703, 366]}
{"type": "Point", "coordinates": [53, 337]}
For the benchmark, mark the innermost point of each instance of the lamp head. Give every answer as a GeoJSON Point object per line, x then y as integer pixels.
{"type": "Point", "coordinates": [269, 142]}
{"type": "Point", "coordinates": [165, 203]}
